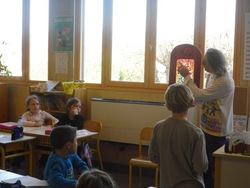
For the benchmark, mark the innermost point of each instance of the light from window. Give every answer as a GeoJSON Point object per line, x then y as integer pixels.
{"type": "Point", "coordinates": [11, 35]}
{"type": "Point", "coordinates": [220, 24]}
{"type": "Point", "coordinates": [128, 40]}
{"type": "Point", "coordinates": [39, 12]}
{"type": "Point", "coordinates": [175, 26]}
{"type": "Point", "coordinates": [92, 16]}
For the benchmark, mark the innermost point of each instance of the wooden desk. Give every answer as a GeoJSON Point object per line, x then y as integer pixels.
{"type": "Point", "coordinates": [43, 139]}
{"type": "Point", "coordinates": [19, 147]}
{"type": "Point", "coordinates": [231, 170]}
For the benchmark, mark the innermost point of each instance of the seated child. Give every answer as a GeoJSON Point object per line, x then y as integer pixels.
{"type": "Point", "coordinates": [61, 163]}
{"type": "Point", "coordinates": [34, 117]}
{"type": "Point", "coordinates": [95, 178]}
{"type": "Point", "coordinates": [72, 116]}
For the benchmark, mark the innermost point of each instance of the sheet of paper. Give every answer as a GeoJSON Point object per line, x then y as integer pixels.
{"type": "Point", "coordinates": [61, 63]}
{"type": "Point", "coordinates": [28, 181]}
{"type": "Point", "coordinates": [239, 123]}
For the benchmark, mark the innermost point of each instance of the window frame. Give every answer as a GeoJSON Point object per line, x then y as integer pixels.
{"type": "Point", "coordinates": [149, 83]}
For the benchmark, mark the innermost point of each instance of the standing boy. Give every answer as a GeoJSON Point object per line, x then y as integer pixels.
{"type": "Point", "coordinates": [178, 146]}
{"type": "Point", "coordinates": [59, 169]}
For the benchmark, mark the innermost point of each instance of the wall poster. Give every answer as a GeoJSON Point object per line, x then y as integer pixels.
{"type": "Point", "coordinates": [63, 33]}
{"type": "Point", "coordinates": [246, 70]}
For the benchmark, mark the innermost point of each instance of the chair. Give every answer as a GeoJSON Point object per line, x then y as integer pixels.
{"type": "Point", "coordinates": [94, 126]}
{"type": "Point", "coordinates": [143, 161]}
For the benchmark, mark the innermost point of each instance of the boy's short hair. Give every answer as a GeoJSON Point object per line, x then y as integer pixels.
{"type": "Point", "coordinates": [178, 98]}
{"type": "Point", "coordinates": [61, 135]}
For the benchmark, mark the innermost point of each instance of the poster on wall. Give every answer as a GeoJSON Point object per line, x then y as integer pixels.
{"type": "Point", "coordinates": [246, 70]}
{"type": "Point", "coordinates": [63, 33]}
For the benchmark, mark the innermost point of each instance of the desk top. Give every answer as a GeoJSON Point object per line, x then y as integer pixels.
{"type": "Point", "coordinates": [40, 132]}
{"type": "Point", "coordinates": [28, 181]}
{"type": "Point", "coordinates": [5, 138]}
{"type": "Point", "coordinates": [221, 153]}
{"type": "Point", "coordinates": [8, 175]}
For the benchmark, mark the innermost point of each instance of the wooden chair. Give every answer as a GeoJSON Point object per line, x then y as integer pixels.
{"type": "Point", "coordinates": [143, 161]}
{"type": "Point", "coordinates": [94, 126]}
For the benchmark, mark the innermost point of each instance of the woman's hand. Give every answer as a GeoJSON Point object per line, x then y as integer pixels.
{"type": "Point", "coordinates": [183, 70]}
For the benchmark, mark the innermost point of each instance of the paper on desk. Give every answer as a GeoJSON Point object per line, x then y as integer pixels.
{"type": "Point", "coordinates": [29, 182]}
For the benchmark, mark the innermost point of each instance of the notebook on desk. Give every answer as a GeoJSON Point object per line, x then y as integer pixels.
{"type": "Point", "coordinates": [28, 182]}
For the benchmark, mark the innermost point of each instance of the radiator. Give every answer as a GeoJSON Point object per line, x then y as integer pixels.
{"type": "Point", "coordinates": [123, 119]}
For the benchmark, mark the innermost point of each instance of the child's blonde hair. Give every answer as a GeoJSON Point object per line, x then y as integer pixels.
{"type": "Point", "coordinates": [178, 98]}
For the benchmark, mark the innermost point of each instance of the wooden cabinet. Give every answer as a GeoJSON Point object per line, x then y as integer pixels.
{"type": "Point", "coordinates": [3, 102]}
{"type": "Point", "coordinates": [54, 102]}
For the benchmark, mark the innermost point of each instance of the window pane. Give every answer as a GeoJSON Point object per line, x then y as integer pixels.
{"type": "Point", "coordinates": [39, 39]}
{"type": "Point", "coordinates": [220, 23]}
{"type": "Point", "coordinates": [11, 35]}
{"type": "Point", "coordinates": [92, 41]}
{"type": "Point", "coordinates": [128, 40]}
{"type": "Point", "coordinates": [175, 25]}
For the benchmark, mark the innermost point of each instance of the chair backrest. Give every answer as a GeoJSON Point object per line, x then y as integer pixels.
{"type": "Point", "coordinates": [93, 126]}
{"type": "Point", "coordinates": [145, 136]}
{"type": "Point", "coordinates": [188, 55]}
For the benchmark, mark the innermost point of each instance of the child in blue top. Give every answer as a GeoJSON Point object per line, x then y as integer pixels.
{"type": "Point", "coordinates": [59, 169]}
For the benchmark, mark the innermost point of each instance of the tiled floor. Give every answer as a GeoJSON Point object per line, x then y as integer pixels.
{"type": "Point", "coordinates": [119, 173]}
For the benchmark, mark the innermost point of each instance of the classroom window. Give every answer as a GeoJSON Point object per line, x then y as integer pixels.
{"type": "Point", "coordinates": [11, 35]}
{"type": "Point", "coordinates": [38, 53]}
{"type": "Point", "coordinates": [220, 25]}
{"type": "Point", "coordinates": [128, 40]}
{"type": "Point", "coordinates": [24, 38]}
{"type": "Point", "coordinates": [175, 25]}
{"type": "Point", "coordinates": [92, 17]}
{"type": "Point", "coordinates": [138, 37]}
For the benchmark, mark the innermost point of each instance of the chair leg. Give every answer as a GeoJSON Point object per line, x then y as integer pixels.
{"type": "Point", "coordinates": [100, 159]}
{"type": "Point", "coordinates": [130, 177]}
{"type": "Point", "coordinates": [140, 175]}
{"type": "Point", "coordinates": [156, 177]}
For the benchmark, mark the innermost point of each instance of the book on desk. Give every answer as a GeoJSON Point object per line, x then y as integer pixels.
{"type": "Point", "coordinates": [8, 125]}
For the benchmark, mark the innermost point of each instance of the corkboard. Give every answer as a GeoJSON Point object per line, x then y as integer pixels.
{"type": "Point", "coordinates": [240, 101]}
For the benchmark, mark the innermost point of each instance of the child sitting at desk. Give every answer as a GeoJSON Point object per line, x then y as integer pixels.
{"type": "Point", "coordinates": [34, 117]}
{"type": "Point", "coordinates": [59, 169]}
{"type": "Point", "coordinates": [74, 119]}
{"type": "Point", "coordinates": [72, 116]}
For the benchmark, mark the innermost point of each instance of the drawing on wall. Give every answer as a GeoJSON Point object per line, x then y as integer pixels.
{"type": "Point", "coordinates": [63, 33]}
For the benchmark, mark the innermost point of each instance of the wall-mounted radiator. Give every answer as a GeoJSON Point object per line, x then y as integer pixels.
{"type": "Point", "coordinates": [123, 119]}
